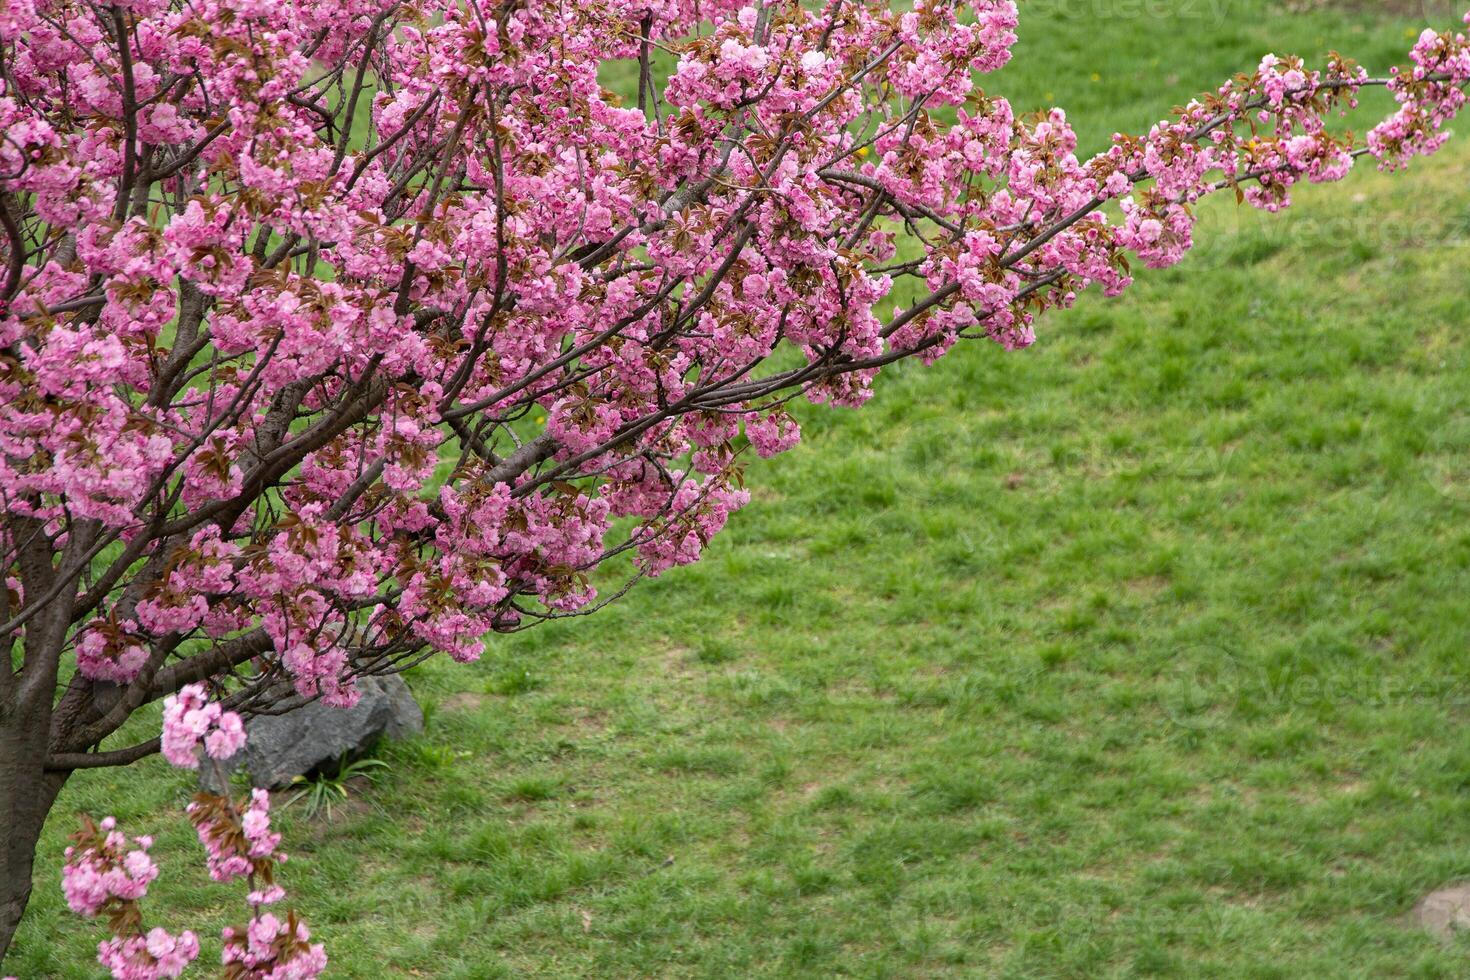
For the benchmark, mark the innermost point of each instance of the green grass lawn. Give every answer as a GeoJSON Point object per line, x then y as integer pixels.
{"type": "Point", "coordinates": [1142, 653]}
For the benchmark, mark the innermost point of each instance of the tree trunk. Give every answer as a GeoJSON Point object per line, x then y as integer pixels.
{"type": "Point", "coordinates": [27, 792]}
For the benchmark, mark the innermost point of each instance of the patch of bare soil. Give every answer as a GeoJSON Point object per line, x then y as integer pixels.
{"type": "Point", "coordinates": [463, 701]}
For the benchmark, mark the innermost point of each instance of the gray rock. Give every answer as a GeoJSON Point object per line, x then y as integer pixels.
{"type": "Point", "coordinates": [313, 737]}
{"type": "Point", "coordinates": [1446, 911]}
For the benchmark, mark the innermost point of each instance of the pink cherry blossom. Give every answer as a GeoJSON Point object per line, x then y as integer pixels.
{"type": "Point", "coordinates": [190, 719]}
{"type": "Point", "coordinates": [103, 869]}
{"type": "Point", "coordinates": [239, 843]}
{"type": "Point", "coordinates": [152, 956]}
{"type": "Point", "coordinates": [270, 948]}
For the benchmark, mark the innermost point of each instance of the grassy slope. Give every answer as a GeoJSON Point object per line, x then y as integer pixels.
{"type": "Point", "coordinates": [1141, 653]}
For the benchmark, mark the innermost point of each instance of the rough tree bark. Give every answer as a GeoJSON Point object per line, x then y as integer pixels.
{"type": "Point", "coordinates": [27, 793]}
{"type": "Point", "coordinates": [29, 718]}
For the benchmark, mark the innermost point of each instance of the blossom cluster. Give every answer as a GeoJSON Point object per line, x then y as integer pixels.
{"type": "Point", "coordinates": [106, 875]}
{"type": "Point", "coordinates": [190, 720]}
{"type": "Point", "coordinates": [153, 955]}
{"type": "Point", "coordinates": [103, 870]}
{"type": "Point", "coordinates": [239, 844]}
{"type": "Point", "coordinates": [272, 949]}
{"type": "Point", "coordinates": [107, 651]}
{"type": "Point", "coordinates": [1430, 94]}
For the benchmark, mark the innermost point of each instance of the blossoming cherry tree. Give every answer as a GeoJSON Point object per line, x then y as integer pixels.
{"type": "Point", "coordinates": [336, 334]}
